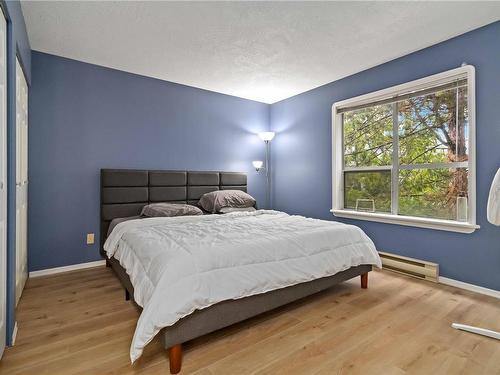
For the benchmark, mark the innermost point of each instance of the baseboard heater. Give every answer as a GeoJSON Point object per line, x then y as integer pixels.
{"type": "Point", "coordinates": [409, 266]}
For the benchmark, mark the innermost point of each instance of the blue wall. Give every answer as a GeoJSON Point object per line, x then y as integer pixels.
{"type": "Point", "coordinates": [17, 43]}
{"type": "Point", "coordinates": [302, 153]}
{"type": "Point", "coordinates": [85, 117]}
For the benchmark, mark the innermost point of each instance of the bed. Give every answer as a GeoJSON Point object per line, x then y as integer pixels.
{"type": "Point", "coordinates": [255, 272]}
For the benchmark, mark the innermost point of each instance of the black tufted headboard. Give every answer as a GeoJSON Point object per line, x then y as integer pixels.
{"type": "Point", "coordinates": [124, 192]}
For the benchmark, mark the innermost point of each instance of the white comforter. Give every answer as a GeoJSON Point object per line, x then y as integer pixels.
{"type": "Point", "coordinates": [182, 264]}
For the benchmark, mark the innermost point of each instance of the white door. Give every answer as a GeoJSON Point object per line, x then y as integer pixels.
{"type": "Point", "coordinates": [21, 181]}
{"type": "Point", "coordinates": [3, 181]}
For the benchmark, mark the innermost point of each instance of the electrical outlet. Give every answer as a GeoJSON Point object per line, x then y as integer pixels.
{"type": "Point", "coordinates": [90, 238]}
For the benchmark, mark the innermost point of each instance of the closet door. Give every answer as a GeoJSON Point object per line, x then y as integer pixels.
{"type": "Point", "coordinates": [21, 181]}
{"type": "Point", "coordinates": [3, 180]}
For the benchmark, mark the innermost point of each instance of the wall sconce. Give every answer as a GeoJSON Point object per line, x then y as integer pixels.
{"type": "Point", "coordinates": [267, 137]}
{"type": "Point", "coordinates": [257, 164]}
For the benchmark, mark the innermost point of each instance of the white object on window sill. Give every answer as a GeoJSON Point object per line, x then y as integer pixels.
{"type": "Point", "coordinates": [419, 222]}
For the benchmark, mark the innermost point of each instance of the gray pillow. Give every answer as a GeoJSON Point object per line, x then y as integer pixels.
{"type": "Point", "coordinates": [215, 200]}
{"type": "Point", "coordinates": [170, 210]}
{"type": "Point", "coordinates": [119, 220]}
{"type": "Point", "coordinates": [227, 210]}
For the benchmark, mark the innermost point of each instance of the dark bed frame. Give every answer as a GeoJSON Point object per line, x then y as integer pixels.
{"type": "Point", "coordinates": [124, 192]}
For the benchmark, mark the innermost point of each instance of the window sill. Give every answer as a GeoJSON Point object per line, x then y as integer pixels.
{"type": "Point", "coordinates": [419, 222]}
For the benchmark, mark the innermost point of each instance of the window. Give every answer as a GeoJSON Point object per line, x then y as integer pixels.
{"type": "Point", "coordinates": [405, 155]}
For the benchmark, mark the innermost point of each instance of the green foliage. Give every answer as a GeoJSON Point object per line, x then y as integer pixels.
{"type": "Point", "coordinates": [374, 186]}
{"type": "Point", "coordinates": [368, 136]}
{"type": "Point", "coordinates": [427, 133]}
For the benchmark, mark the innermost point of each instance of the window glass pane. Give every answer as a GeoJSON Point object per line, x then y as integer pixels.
{"type": "Point", "coordinates": [368, 136]}
{"type": "Point", "coordinates": [368, 191]}
{"type": "Point", "coordinates": [463, 126]}
{"type": "Point", "coordinates": [434, 193]}
{"type": "Point", "coordinates": [432, 126]}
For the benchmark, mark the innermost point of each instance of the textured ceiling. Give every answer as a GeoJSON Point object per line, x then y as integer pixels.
{"type": "Point", "coordinates": [265, 51]}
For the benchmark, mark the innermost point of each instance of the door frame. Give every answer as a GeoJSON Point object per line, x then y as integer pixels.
{"type": "Point", "coordinates": [13, 51]}
{"type": "Point", "coordinates": [4, 304]}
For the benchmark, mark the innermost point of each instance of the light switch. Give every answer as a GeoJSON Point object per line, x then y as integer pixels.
{"type": "Point", "coordinates": [90, 238]}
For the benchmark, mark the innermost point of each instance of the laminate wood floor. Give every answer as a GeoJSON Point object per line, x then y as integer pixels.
{"type": "Point", "coordinates": [79, 323]}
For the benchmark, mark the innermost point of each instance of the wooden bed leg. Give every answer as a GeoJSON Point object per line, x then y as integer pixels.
{"type": "Point", "coordinates": [127, 295]}
{"type": "Point", "coordinates": [108, 264]}
{"type": "Point", "coordinates": [364, 280]}
{"type": "Point", "coordinates": [175, 358]}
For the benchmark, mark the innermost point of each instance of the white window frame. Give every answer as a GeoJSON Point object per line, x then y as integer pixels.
{"type": "Point", "coordinates": [467, 71]}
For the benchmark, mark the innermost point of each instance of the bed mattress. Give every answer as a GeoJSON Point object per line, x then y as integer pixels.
{"type": "Point", "coordinates": [183, 264]}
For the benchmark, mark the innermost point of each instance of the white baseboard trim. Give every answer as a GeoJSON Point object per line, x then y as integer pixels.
{"type": "Point", "coordinates": [73, 267]}
{"type": "Point", "coordinates": [14, 334]}
{"type": "Point", "coordinates": [80, 266]}
{"type": "Point", "coordinates": [470, 287]}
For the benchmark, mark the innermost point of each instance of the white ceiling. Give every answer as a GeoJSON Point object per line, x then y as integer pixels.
{"type": "Point", "coordinates": [265, 51]}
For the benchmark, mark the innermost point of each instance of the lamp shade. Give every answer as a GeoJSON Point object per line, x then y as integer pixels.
{"type": "Point", "coordinates": [267, 136]}
{"type": "Point", "coordinates": [257, 164]}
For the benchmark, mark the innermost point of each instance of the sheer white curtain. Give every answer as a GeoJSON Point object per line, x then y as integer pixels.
{"type": "Point", "coordinates": [494, 200]}
{"type": "Point", "coordinates": [493, 214]}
